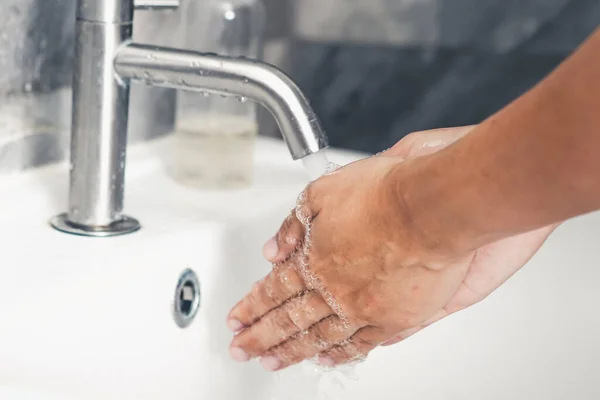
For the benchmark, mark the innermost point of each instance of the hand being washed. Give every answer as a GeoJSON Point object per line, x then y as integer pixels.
{"type": "Point", "coordinates": [352, 272]}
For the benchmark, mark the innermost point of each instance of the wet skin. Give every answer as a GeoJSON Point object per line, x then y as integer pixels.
{"type": "Point", "coordinates": [361, 301]}
{"type": "Point", "coordinates": [388, 245]}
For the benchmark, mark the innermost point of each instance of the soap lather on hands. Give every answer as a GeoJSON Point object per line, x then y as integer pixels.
{"type": "Point", "coordinates": [352, 271]}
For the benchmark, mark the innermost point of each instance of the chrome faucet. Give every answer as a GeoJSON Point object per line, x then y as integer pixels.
{"type": "Point", "coordinates": [106, 61]}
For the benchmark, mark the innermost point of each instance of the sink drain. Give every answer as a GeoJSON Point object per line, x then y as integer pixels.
{"type": "Point", "coordinates": [187, 298]}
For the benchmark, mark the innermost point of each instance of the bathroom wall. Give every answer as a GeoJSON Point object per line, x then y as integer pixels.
{"type": "Point", "coordinates": [376, 70]}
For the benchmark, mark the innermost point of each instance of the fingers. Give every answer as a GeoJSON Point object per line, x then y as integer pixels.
{"type": "Point", "coordinates": [354, 349]}
{"type": "Point", "coordinates": [291, 234]}
{"type": "Point", "coordinates": [426, 142]}
{"type": "Point", "coordinates": [282, 284]}
{"type": "Point", "coordinates": [308, 344]}
{"type": "Point", "coordinates": [296, 316]}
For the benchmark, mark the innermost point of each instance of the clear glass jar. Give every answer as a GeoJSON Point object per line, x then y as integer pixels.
{"type": "Point", "coordinates": [214, 135]}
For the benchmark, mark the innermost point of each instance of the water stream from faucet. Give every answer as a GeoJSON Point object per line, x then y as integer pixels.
{"type": "Point", "coordinates": [318, 164]}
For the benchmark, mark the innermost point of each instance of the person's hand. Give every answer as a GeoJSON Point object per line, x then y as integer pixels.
{"type": "Point", "coordinates": [493, 264]}
{"type": "Point", "coordinates": [363, 276]}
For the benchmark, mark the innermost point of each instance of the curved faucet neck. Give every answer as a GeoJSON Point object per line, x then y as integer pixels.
{"type": "Point", "coordinates": [254, 80]}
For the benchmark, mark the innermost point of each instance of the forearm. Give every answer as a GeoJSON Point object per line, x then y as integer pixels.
{"type": "Point", "coordinates": [535, 163]}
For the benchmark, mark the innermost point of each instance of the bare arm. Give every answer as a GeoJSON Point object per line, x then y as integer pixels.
{"type": "Point", "coordinates": [535, 163]}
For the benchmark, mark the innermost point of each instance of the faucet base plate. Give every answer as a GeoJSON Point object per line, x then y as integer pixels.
{"type": "Point", "coordinates": [121, 227]}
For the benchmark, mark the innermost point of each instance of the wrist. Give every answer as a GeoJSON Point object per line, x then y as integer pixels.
{"type": "Point", "coordinates": [432, 206]}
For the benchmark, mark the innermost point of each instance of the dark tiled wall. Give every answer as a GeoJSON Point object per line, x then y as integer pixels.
{"type": "Point", "coordinates": [372, 89]}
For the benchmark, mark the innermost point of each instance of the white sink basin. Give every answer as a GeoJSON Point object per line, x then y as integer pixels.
{"type": "Point", "coordinates": [89, 318]}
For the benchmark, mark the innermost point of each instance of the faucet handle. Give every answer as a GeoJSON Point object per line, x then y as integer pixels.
{"type": "Point", "coordinates": [156, 4]}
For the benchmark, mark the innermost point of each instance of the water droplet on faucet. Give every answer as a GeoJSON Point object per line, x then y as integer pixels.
{"type": "Point", "coordinates": [241, 99]}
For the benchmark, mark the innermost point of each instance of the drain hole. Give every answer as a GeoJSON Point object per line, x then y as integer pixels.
{"type": "Point", "coordinates": [187, 299]}
{"type": "Point", "coordinates": [187, 295]}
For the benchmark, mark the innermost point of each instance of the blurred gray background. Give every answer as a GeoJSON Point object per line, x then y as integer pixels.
{"type": "Point", "coordinates": [376, 70]}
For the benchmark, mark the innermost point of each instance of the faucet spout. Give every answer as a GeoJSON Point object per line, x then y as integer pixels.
{"type": "Point", "coordinates": [106, 61]}
{"type": "Point", "coordinates": [257, 81]}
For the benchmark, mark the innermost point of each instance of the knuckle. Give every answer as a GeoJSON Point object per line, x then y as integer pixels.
{"type": "Point", "coordinates": [293, 319]}
{"type": "Point", "coordinates": [286, 321]}
{"type": "Point", "coordinates": [279, 330]}
{"type": "Point", "coordinates": [289, 221]}
{"type": "Point", "coordinates": [285, 228]}
{"type": "Point", "coordinates": [310, 196]}
{"type": "Point", "coordinates": [336, 329]}
{"type": "Point", "coordinates": [303, 214]}
{"type": "Point", "coordinates": [320, 338]}
{"type": "Point", "coordinates": [274, 297]}
{"type": "Point", "coordinates": [291, 232]}
{"type": "Point", "coordinates": [310, 192]}
{"type": "Point", "coordinates": [274, 292]}
{"type": "Point", "coordinates": [290, 280]}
